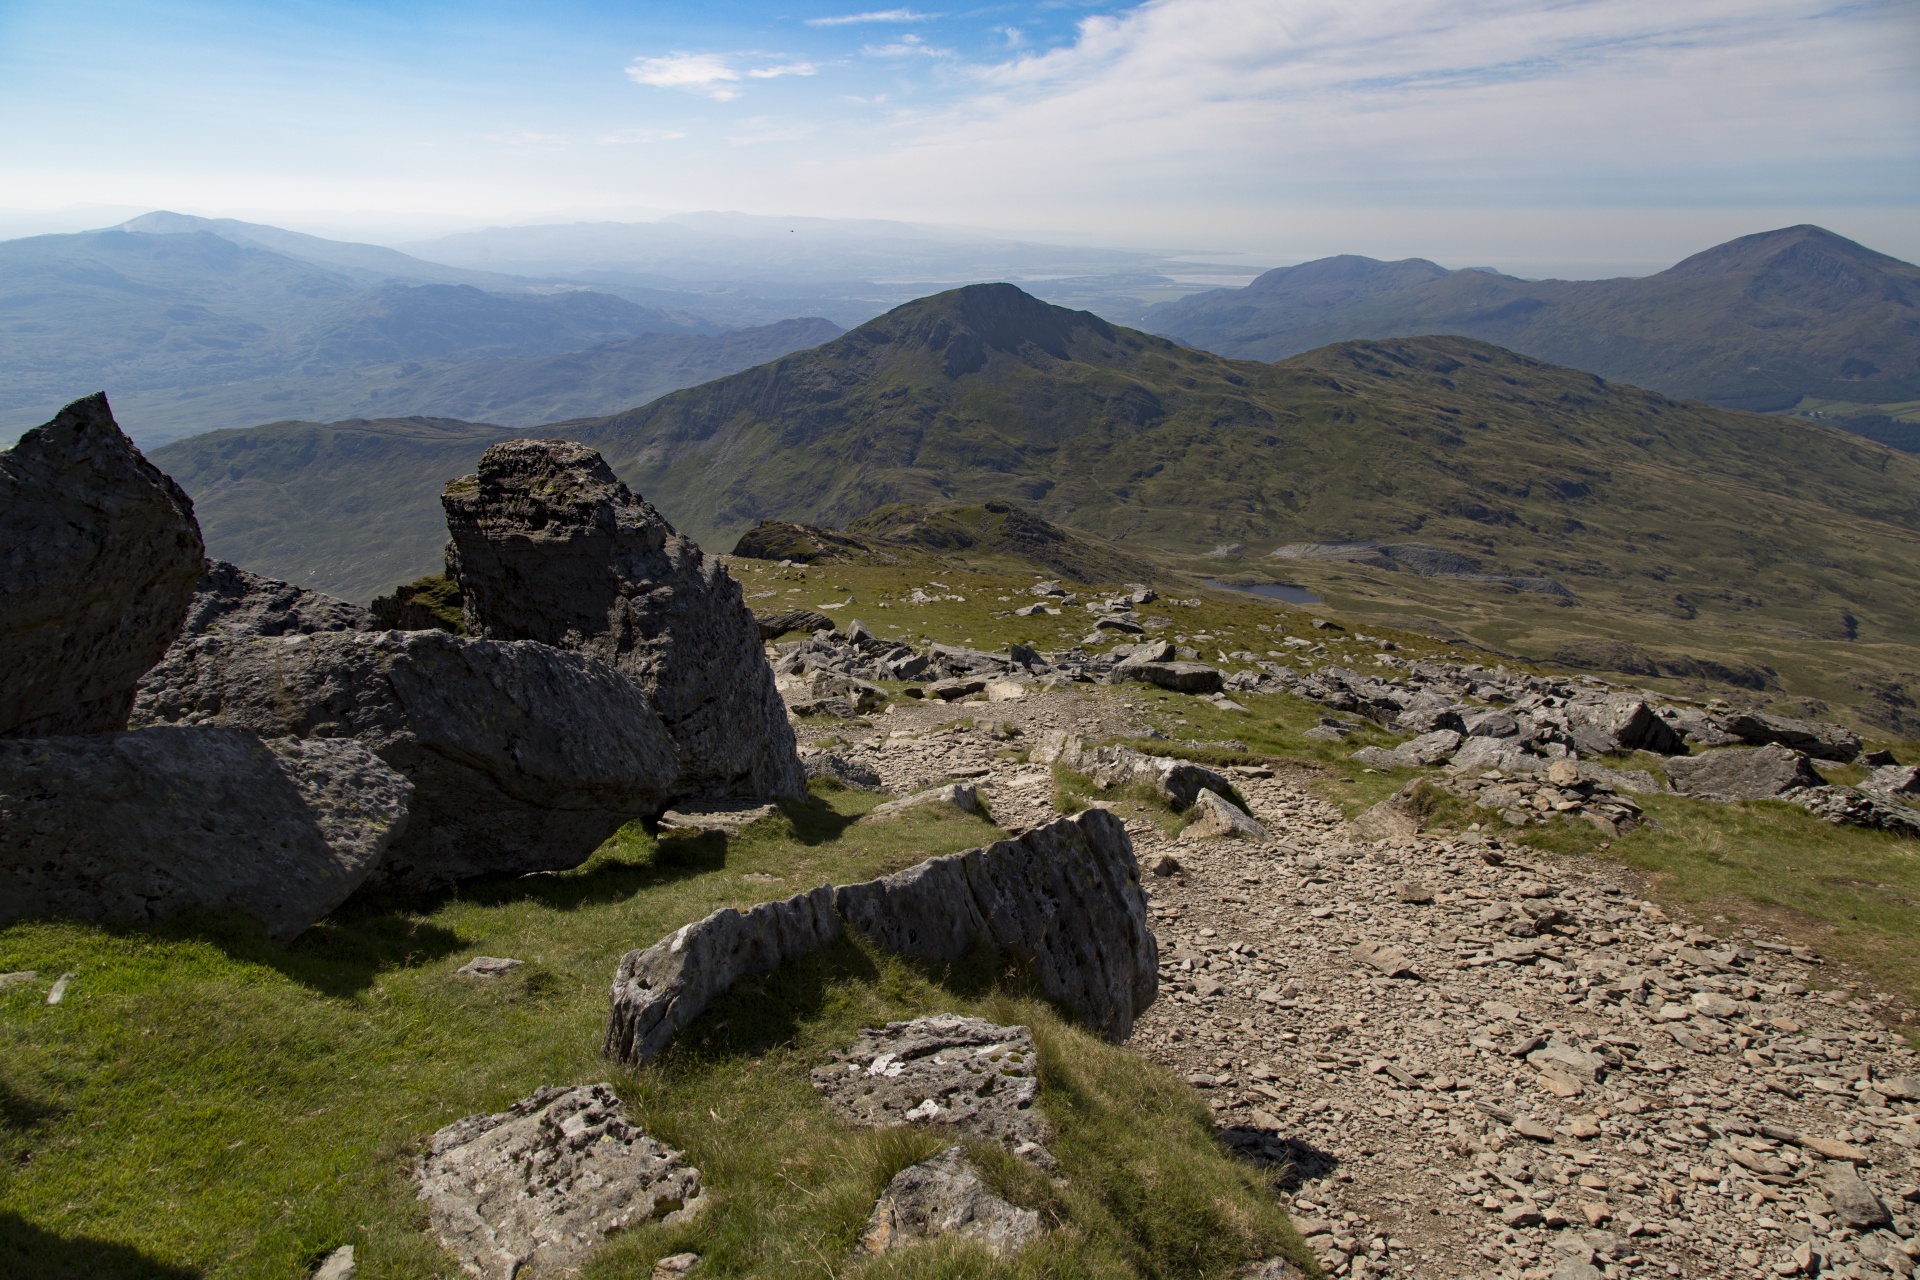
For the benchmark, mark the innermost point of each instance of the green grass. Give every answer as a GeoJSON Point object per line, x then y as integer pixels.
{"type": "Point", "coordinates": [205, 1103]}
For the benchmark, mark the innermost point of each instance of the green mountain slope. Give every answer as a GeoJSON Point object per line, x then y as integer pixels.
{"type": "Point", "coordinates": [1759, 322]}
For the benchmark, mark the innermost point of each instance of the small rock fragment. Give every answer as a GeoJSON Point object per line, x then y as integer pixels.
{"type": "Point", "coordinates": [337, 1265]}
{"type": "Point", "coordinates": [944, 1196]}
{"type": "Point", "coordinates": [960, 796]}
{"type": "Point", "coordinates": [675, 1265]}
{"type": "Point", "coordinates": [488, 966]}
{"type": "Point", "coordinates": [59, 990]}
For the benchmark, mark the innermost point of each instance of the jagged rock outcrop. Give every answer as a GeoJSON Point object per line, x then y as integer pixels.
{"type": "Point", "coordinates": [979, 1079]}
{"type": "Point", "coordinates": [1820, 740]}
{"type": "Point", "coordinates": [1426, 750]}
{"type": "Point", "coordinates": [774, 625]}
{"type": "Point", "coordinates": [1215, 817]}
{"type": "Point", "coordinates": [1621, 724]}
{"type": "Point", "coordinates": [549, 545]}
{"type": "Point", "coordinates": [1758, 773]}
{"type": "Point", "coordinates": [944, 1195]}
{"type": "Point", "coordinates": [228, 600]}
{"type": "Point", "coordinates": [131, 828]}
{"type": "Point", "coordinates": [1178, 782]}
{"type": "Point", "coordinates": [1064, 898]}
{"type": "Point", "coordinates": [523, 757]}
{"type": "Point", "coordinates": [530, 1191]}
{"type": "Point", "coordinates": [101, 554]}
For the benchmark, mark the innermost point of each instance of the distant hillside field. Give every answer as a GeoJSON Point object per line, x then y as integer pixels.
{"type": "Point", "coordinates": [1757, 323]}
{"type": "Point", "coordinates": [1739, 543]}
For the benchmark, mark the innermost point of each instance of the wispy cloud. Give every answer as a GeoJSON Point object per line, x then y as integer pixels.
{"type": "Point", "coordinates": [707, 74]}
{"type": "Point", "coordinates": [640, 135]}
{"type": "Point", "coordinates": [906, 47]}
{"type": "Point", "coordinates": [878, 15]}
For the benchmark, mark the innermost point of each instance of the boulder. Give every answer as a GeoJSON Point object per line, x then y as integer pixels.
{"type": "Point", "coordinates": [774, 625]}
{"type": "Point", "coordinates": [1894, 781]}
{"type": "Point", "coordinates": [978, 1079]}
{"type": "Point", "coordinates": [530, 1191]}
{"type": "Point", "coordinates": [102, 553]}
{"type": "Point", "coordinates": [1181, 677]}
{"type": "Point", "coordinates": [549, 545]}
{"type": "Point", "coordinates": [1610, 725]}
{"type": "Point", "coordinates": [1853, 1200]}
{"type": "Point", "coordinates": [1214, 817]}
{"type": "Point", "coordinates": [1396, 817]}
{"type": "Point", "coordinates": [945, 1196]}
{"type": "Point", "coordinates": [961, 797]}
{"type": "Point", "coordinates": [1819, 740]}
{"type": "Point", "coordinates": [131, 828]}
{"type": "Point", "coordinates": [1478, 755]}
{"type": "Point", "coordinates": [1178, 782]}
{"type": "Point", "coordinates": [1853, 807]}
{"type": "Point", "coordinates": [848, 773]}
{"type": "Point", "coordinates": [1065, 899]}
{"type": "Point", "coordinates": [1758, 773]}
{"type": "Point", "coordinates": [1426, 750]}
{"type": "Point", "coordinates": [228, 600]}
{"type": "Point", "coordinates": [523, 757]}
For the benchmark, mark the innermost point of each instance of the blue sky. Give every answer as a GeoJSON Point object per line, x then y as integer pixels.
{"type": "Point", "coordinates": [1484, 131]}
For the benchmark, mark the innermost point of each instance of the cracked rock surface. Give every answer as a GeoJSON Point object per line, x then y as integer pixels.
{"type": "Point", "coordinates": [528, 1192]}
{"type": "Point", "coordinates": [945, 1196]}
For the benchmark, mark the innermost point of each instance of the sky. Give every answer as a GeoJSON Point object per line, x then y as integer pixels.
{"type": "Point", "coordinates": [1606, 134]}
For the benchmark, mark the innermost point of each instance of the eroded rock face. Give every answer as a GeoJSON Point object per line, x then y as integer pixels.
{"type": "Point", "coordinates": [945, 1196]}
{"type": "Point", "coordinates": [967, 1073]}
{"type": "Point", "coordinates": [549, 545]}
{"type": "Point", "coordinates": [523, 757]}
{"type": "Point", "coordinates": [1064, 898]}
{"type": "Point", "coordinates": [1818, 739]}
{"type": "Point", "coordinates": [1215, 817]}
{"type": "Point", "coordinates": [528, 1192]}
{"type": "Point", "coordinates": [228, 600]}
{"type": "Point", "coordinates": [1621, 724]}
{"type": "Point", "coordinates": [1759, 773]}
{"type": "Point", "coordinates": [102, 552]}
{"type": "Point", "coordinates": [132, 828]}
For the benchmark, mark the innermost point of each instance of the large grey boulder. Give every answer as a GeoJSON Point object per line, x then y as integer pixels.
{"type": "Point", "coordinates": [549, 545]}
{"type": "Point", "coordinates": [1608, 725]}
{"type": "Point", "coordinates": [529, 1192]}
{"type": "Point", "coordinates": [98, 556]}
{"type": "Point", "coordinates": [1820, 740]}
{"type": "Point", "coordinates": [1427, 749]}
{"type": "Point", "coordinates": [1181, 677]}
{"type": "Point", "coordinates": [131, 828]}
{"type": "Point", "coordinates": [1758, 773]}
{"type": "Point", "coordinates": [1178, 782]}
{"type": "Point", "coordinates": [942, 1196]}
{"type": "Point", "coordinates": [977, 1079]}
{"type": "Point", "coordinates": [1065, 899]}
{"type": "Point", "coordinates": [523, 757]}
{"type": "Point", "coordinates": [229, 600]}
{"type": "Point", "coordinates": [1855, 807]}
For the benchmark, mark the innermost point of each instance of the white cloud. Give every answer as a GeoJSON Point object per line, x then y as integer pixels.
{"type": "Point", "coordinates": [904, 47]}
{"type": "Point", "coordinates": [785, 69]}
{"type": "Point", "coordinates": [702, 73]}
{"type": "Point", "coordinates": [881, 15]}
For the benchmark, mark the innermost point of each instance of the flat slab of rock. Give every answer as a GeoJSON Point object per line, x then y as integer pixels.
{"type": "Point", "coordinates": [549, 545]}
{"type": "Point", "coordinates": [1816, 738]}
{"type": "Point", "coordinates": [967, 1073]}
{"type": "Point", "coordinates": [848, 773]}
{"type": "Point", "coordinates": [1181, 677]}
{"type": "Point", "coordinates": [523, 757]}
{"type": "Point", "coordinates": [530, 1191]}
{"type": "Point", "coordinates": [489, 966]}
{"type": "Point", "coordinates": [1065, 898]}
{"type": "Point", "coordinates": [726, 817]}
{"type": "Point", "coordinates": [945, 1196]}
{"type": "Point", "coordinates": [960, 796]}
{"type": "Point", "coordinates": [102, 552]}
{"type": "Point", "coordinates": [132, 828]}
{"type": "Point", "coordinates": [1732, 773]}
{"type": "Point", "coordinates": [1215, 817]}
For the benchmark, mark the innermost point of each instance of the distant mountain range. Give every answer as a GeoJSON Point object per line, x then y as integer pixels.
{"type": "Point", "coordinates": [1669, 523]}
{"type": "Point", "coordinates": [1763, 322]}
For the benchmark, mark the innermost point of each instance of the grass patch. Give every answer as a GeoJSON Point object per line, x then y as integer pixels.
{"type": "Point", "coordinates": [207, 1104]}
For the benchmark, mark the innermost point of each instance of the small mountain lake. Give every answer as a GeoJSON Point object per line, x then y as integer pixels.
{"type": "Point", "coordinates": [1276, 591]}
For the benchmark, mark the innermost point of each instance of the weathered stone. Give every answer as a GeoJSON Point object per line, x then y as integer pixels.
{"type": "Point", "coordinates": [1390, 961]}
{"type": "Point", "coordinates": [102, 552]}
{"type": "Point", "coordinates": [426, 604]}
{"type": "Point", "coordinates": [228, 600]}
{"type": "Point", "coordinates": [489, 966]}
{"type": "Point", "coordinates": [1900, 1088]}
{"type": "Point", "coordinates": [549, 545]}
{"type": "Point", "coordinates": [1178, 782]}
{"type": "Point", "coordinates": [532, 1190]}
{"type": "Point", "coordinates": [1853, 1200]}
{"type": "Point", "coordinates": [1569, 1060]}
{"type": "Point", "coordinates": [1819, 740]}
{"type": "Point", "coordinates": [944, 1196]}
{"type": "Point", "coordinates": [1621, 724]}
{"type": "Point", "coordinates": [132, 828]}
{"type": "Point", "coordinates": [1757, 773]}
{"type": "Point", "coordinates": [1065, 898]}
{"type": "Point", "coordinates": [774, 625]}
{"type": "Point", "coordinates": [1214, 816]}
{"type": "Point", "coordinates": [338, 1265]}
{"type": "Point", "coordinates": [675, 1265]}
{"type": "Point", "coordinates": [959, 796]}
{"type": "Point", "coordinates": [966, 1073]}
{"type": "Point", "coordinates": [523, 757]}
{"type": "Point", "coordinates": [1396, 817]}
{"type": "Point", "coordinates": [1426, 750]}
{"type": "Point", "coordinates": [825, 764]}
{"type": "Point", "coordinates": [1852, 807]}
{"type": "Point", "coordinates": [1181, 677]}
{"type": "Point", "coordinates": [1477, 755]}
{"type": "Point", "coordinates": [715, 817]}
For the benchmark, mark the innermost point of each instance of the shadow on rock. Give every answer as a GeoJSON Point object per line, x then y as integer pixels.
{"type": "Point", "coordinates": [28, 1250]}
{"type": "Point", "coordinates": [1289, 1162]}
{"type": "Point", "coordinates": [767, 1009]}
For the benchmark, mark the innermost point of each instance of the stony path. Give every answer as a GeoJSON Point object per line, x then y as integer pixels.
{"type": "Point", "coordinates": [1460, 1060]}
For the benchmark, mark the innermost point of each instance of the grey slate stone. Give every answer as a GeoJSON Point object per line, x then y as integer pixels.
{"type": "Point", "coordinates": [1853, 1200]}
{"type": "Point", "coordinates": [131, 828]}
{"type": "Point", "coordinates": [1215, 817]}
{"type": "Point", "coordinates": [945, 1196]}
{"type": "Point", "coordinates": [1819, 740]}
{"type": "Point", "coordinates": [1735, 773]}
{"type": "Point", "coordinates": [530, 1191]}
{"type": "Point", "coordinates": [549, 545]}
{"type": "Point", "coordinates": [101, 552]}
{"type": "Point", "coordinates": [523, 757]}
{"type": "Point", "coordinates": [228, 600]}
{"type": "Point", "coordinates": [1181, 677]}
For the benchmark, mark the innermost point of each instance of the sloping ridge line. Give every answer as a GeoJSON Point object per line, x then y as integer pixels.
{"type": "Point", "coordinates": [1064, 898]}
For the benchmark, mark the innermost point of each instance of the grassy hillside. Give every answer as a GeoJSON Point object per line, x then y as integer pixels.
{"type": "Point", "coordinates": [1756, 323]}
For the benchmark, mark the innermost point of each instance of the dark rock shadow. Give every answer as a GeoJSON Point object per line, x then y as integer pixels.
{"type": "Point", "coordinates": [338, 956]}
{"type": "Point", "coordinates": [767, 1009]}
{"type": "Point", "coordinates": [1289, 1162]}
{"type": "Point", "coordinates": [28, 1250]}
{"type": "Point", "coordinates": [815, 821]}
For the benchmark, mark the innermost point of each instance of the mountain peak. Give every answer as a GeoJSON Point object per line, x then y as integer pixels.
{"type": "Point", "coordinates": [1763, 249]}
{"type": "Point", "coordinates": [970, 321]}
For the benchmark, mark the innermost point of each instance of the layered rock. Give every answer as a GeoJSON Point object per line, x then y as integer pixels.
{"type": "Point", "coordinates": [102, 552]}
{"type": "Point", "coordinates": [1065, 899]}
{"type": "Point", "coordinates": [530, 1191]}
{"type": "Point", "coordinates": [228, 600]}
{"type": "Point", "coordinates": [1820, 740]}
{"type": "Point", "coordinates": [1760, 773]}
{"type": "Point", "coordinates": [523, 757]}
{"type": "Point", "coordinates": [549, 545]}
{"type": "Point", "coordinates": [131, 828]}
